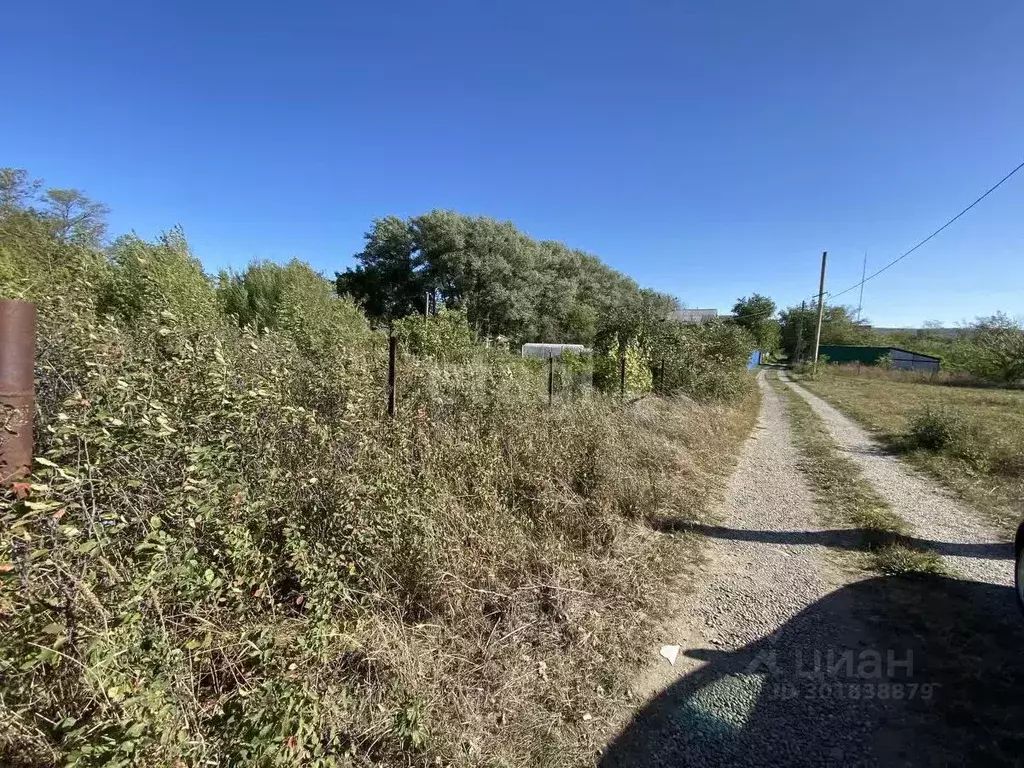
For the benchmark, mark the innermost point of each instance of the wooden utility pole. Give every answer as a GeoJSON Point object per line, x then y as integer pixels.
{"type": "Point", "coordinates": [821, 311]}
{"type": "Point", "coordinates": [863, 271]}
{"type": "Point", "coordinates": [800, 331]}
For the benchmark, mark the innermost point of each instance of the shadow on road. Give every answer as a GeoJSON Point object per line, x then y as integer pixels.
{"type": "Point", "coordinates": [921, 670]}
{"type": "Point", "coordinates": [841, 538]}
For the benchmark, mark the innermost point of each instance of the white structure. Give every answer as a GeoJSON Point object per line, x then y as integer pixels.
{"type": "Point", "coordinates": [545, 351]}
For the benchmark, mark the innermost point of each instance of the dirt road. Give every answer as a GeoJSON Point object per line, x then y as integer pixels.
{"type": "Point", "coordinates": [790, 658]}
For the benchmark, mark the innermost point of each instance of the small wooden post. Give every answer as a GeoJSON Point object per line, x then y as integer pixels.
{"type": "Point", "coordinates": [622, 375]}
{"type": "Point", "coordinates": [392, 353]}
{"type": "Point", "coordinates": [661, 376]}
{"type": "Point", "coordinates": [551, 380]}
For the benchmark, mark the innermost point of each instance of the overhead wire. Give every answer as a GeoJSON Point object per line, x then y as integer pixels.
{"type": "Point", "coordinates": [830, 295]}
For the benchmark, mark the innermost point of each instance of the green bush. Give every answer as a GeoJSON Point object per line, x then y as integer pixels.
{"type": "Point", "coordinates": [446, 336]}
{"type": "Point", "coordinates": [948, 430]}
{"type": "Point", "coordinates": [705, 361]}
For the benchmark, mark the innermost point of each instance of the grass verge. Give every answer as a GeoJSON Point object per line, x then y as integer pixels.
{"type": "Point", "coordinates": [984, 465]}
{"type": "Point", "coordinates": [848, 498]}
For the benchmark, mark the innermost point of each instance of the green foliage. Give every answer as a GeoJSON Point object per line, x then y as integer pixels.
{"type": "Point", "coordinates": [997, 350]}
{"type": "Point", "coordinates": [949, 430]}
{"type": "Point", "coordinates": [507, 284]}
{"type": "Point", "coordinates": [445, 336]}
{"type": "Point", "coordinates": [608, 368]}
{"type": "Point", "coordinates": [158, 276]}
{"type": "Point", "coordinates": [74, 218]}
{"type": "Point", "coordinates": [707, 361]}
{"type": "Point", "coordinates": [838, 326]}
{"type": "Point", "coordinates": [757, 315]}
{"type": "Point", "coordinates": [293, 298]}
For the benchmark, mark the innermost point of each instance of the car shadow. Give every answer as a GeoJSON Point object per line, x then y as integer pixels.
{"type": "Point", "coordinates": [840, 538]}
{"type": "Point", "coordinates": [901, 670]}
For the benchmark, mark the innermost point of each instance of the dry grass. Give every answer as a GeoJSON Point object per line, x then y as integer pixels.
{"type": "Point", "coordinates": [847, 498]}
{"type": "Point", "coordinates": [991, 480]}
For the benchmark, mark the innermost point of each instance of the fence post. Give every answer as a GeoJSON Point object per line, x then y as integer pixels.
{"type": "Point", "coordinates": [622, 375]}
{"type": "Point", "coordinates": [392, 352]}
{"type": "Point", "coordinates": [17, 387]}
{"type": "Point", "coordinates": [661, 376]}
{"type": "Point", "coordinates": [551, 380]}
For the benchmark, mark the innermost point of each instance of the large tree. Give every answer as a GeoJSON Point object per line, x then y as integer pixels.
{"type": "Point", "coordinates": [506, 283]}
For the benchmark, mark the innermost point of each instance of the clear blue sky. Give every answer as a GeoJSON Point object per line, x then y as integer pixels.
{"type": "Point", "coordinates": [707, 149]}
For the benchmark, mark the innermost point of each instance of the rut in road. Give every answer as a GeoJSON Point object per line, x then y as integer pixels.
{"type": "Point", "coordinates": [943, 523]}
{"type": "Point", "coordinates": [790, 657]}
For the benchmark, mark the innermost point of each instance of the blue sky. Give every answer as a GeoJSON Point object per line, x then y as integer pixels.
{"type": "Point", "coordinates": [707, 149]}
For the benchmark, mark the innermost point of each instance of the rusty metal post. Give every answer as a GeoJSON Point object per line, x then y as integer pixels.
{"type": "Point", "coordinates": [17, 387]}
{"type": "Point", "coordinates": [392, 352]}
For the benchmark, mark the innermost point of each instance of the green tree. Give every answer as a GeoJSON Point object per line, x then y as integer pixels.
{"type": "Point", "coordinates": [996, 349]}
{"type": "Point", "coordinates": [838, 326]}
{"type": "Point", "coordinates": [74, 218]}
{"type": "Point", "coordinates": [17, 191]}
{"type": "Point", "coordinates": [388, 281]}
{"type": "Point", "coordinates": [757, 314]}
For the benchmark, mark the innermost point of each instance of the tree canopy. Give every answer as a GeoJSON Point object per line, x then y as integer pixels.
{"type": "Point", "coordinates": [757, 314]}
{"type": "Point", "coordinates": [507, 283]}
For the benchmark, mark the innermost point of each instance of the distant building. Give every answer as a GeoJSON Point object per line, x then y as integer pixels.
{"type": "Point", "coordinates": [693, 316]}
{"type": "Point", "coordinates": [545, 351]}
{"type": "Point", "coordinates": [902, 359]}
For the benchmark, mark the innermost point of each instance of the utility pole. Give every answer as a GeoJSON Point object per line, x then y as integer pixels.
{"type": "Point", "coordinates": [863, 271]}
{"type": "Point", "coordinates": [800, 331]}
{"type": "Point", "coordinates": [821, 312]}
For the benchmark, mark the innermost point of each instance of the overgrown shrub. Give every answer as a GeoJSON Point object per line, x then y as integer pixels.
{"type": "Point", "coordinates": [446, 336]}
{"type": "Point", "coordinates": [228, 554]}
{"type": "Point", "coordinates": [949, 430]}
{"type": "Point", "coordinates": [705, 361]}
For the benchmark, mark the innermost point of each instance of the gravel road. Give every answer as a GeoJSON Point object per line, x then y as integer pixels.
{"type": "Point", "coordinates": [788, 657]}
{"type": "Point", "coordinates": [769, 608]}
{"type": "Point", "coordinates": [971, 548]}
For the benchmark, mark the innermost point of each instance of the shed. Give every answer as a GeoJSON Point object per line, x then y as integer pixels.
{"type": "Point", "coordinates": [903, 359]}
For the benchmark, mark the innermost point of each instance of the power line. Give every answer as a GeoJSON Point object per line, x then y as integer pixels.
{"type": "Point", "coordinates": [900, 258]}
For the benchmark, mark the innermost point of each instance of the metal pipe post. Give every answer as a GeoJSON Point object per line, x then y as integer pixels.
{"type": "Point", "coordinates": [392, 354]}
{"type": "Point", "coordinates": [17, 388]}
